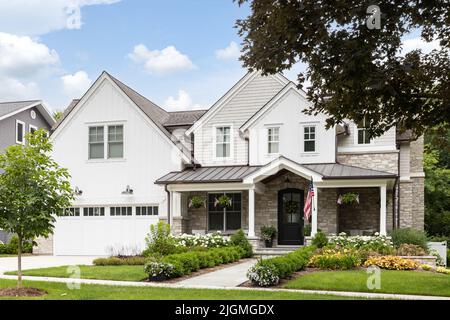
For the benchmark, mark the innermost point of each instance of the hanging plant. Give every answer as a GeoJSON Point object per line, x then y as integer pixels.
{"type": "Point", "coordinates": [291, 207]}
{"type": "Point", "coordinates": [223, 201]}
{"type": "Point", "coordinates": [348, 198]}
{"type": "Point", "coordinates": [196, 202]}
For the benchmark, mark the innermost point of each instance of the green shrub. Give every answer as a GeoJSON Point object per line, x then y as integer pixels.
{"type": "Point", "coordinates": [409, 236]}
{"type": "Point", "coordinates": [336, 259]}
{"type": "Point", "coordinates": [307, 230]}
{"type": "Point", "coordinates": [12, 246]}
{"type": "Point", "coordinates": [320, 240]}
{"type": "Point", "coordinates": [406, 249]}
{"type": "Point", "coordinates": [160, 242]}
{"type": "Point", "coordinates": [448, 257]}
{"type": "Point", "coordinates": [266, 272]}
{"type": "Point", "coordinates": [239, 239]}
{"type": "Point", "coordinates": [116, 261]}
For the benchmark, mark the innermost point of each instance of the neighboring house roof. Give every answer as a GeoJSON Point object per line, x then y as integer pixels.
{"type": "Point", "coordinates": [8, 109]}
{"type": "Point", "coordinates": [326, 171]}
{"type": "Point", "coordinates": [183, 118]}
{"type": "Point", "coordinates": [66, 112]}
{"type": "Point", "coordinates": [208, 175]}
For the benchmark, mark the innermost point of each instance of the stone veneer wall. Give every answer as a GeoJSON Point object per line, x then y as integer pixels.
{"type": "Point", "coordinates": [327, 214]}
{"type": "Point", "coordinates": [44, 245]}
{"type": "Point", "coordinates": [418, 181]}
{"type": "Point", "coordinates": [387, 161]}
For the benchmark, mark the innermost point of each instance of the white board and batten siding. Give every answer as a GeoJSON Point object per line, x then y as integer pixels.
{"type": "Point", "coordinates": [235, 112]}
{"type": "Point", "coordinates": [287, 115]}
{"type": "Point", "coordinates": [148, 155]}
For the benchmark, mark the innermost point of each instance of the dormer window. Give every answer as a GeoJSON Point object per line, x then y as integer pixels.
{"type": "Point", "coordinates": [223, 142]}
{"type": "Point", "coordinates": [363, 132]}
{"type": "Point", "coordinates": [273, 139]}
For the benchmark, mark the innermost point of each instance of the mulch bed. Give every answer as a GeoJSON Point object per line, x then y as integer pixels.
{"type": "Point", "coordinates": [202, 271]}
{"type": "Point", "coordinates": [22, 292]}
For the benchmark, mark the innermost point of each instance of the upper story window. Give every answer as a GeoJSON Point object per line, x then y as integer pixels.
{"type": "Point", "coordinates": [273, 140]}
{"type": "Point", "coordinates": [96, 143]}
{"type": "Point", "coordinates": [223, 142]}
{"type": "Point", "coordinates": [20, 131]}
{"type": "Point", "coordinates": [115, 141]}
{"type": "Point", "coordinates": [309, 138]}
{"type": "Point", "coordinates": [363, 133]}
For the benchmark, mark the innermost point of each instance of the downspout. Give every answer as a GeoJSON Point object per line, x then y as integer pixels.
{"type": "Point", "coordinates": [247, 140]}
{"type": "Point", "coordinates": [168, 204]}
{"type": "Point", "coordinates": [398, 189]}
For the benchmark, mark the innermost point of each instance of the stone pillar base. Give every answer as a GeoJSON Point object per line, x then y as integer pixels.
{"type": "Point", "coordinates": [180, 225]}
{"type": "Point", "coordinates": [254, 241]}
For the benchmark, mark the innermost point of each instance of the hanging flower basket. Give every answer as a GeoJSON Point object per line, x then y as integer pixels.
{"type": "Point", "coordinates": [196, 202]}
{"type": "Point", "coordinates": [348, 198]}
{"type": "Point", "coordinates": [223, 201]}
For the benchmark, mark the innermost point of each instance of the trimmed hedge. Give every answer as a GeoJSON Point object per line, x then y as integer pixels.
{"type": "Point", "coordinates": [115, 261]}
{"type": "Point", "coordinates": [13, 245]}
{"type": "Point", "coordinates": [186, 263]}
{"type": "Point", "coordinates": [279, 267]}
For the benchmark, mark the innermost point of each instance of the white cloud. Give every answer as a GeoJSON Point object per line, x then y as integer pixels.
{"type": "Point", "coordinates": [181, 103]}
{"type": "Point", "coordinates": [75, 85]}
{"type": "Point", "coordinates": [23, 56]}
{"type": "Point", "coordinates": [12, 89]}
{"type": "Point", "coordinates": [167, 60]}
{"type": "Point", "coordinates": [419, 43]}
{"type": "Point", "coordinates": [229, 53]}
{"type": "Point", "coordinates": [37, 17]}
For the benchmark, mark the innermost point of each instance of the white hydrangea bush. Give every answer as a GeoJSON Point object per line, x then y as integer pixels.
{"type": "Point", "coordinates": [210, 240]}
{"type": "Point", "coordinates": [376, 241]}
{"type": "Point", "coordinates": [263, 275]}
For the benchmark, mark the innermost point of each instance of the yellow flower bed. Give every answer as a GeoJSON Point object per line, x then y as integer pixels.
{"type": "Point", "coordinates": [391, 263]}
{"type": "Point", "coordinates": [443, 270]}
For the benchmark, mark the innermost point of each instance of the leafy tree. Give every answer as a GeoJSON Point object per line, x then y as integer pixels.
{"type": "Point", "coordinates": [355, 71]}
{"type": "Point", "coordinates": [33, 189]}
{"type": "Point", "coordinates": [57, 115]}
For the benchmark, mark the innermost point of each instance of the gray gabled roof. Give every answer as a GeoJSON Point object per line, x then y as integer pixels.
{"type": "Point", "coordinates": [208, 175]}
{"type": "Point", "coordinates": [10, 107]}
{"type": "Point", "coordinates": [218, 174]}
{"type": "Point", "coordinates": [183, 118]}
{"type": "Point", "coordinates": [343, 171]}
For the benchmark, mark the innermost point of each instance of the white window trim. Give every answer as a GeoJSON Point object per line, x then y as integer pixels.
{"type": "Point", "coordinates": [105, 141]}
{"type": "Point", "coordinates": [268, 142]}
{"type": "Point", "coordinates": [23, 132]}
{"type": "Point", "coordinates": [356, 130]}
{"type": "Point", "coordinates": [30, 126]}
{"type": "Point", "coordinates": [214, 131]}
{"type": "Point", "coordinates": [316, 145]}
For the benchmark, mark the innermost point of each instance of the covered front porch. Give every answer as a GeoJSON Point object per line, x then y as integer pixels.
{"type": "Point", "coordinates": [274, 195]}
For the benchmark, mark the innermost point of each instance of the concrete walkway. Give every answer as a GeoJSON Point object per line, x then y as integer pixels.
{"type": "Point", "coordinates": [232, 276]}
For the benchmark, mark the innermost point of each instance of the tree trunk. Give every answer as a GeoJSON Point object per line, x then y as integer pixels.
{"type": "Point", "coordinates": [19, 262]}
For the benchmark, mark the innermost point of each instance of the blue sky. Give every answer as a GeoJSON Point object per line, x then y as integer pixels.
{"type": "Point", "coordinates": [106, 40]}
{"type": "Point", "coordinates": [181, 54]}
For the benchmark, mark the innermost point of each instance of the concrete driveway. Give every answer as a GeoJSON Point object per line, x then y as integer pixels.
{"type": "Point", "coordinates": [34, 262]}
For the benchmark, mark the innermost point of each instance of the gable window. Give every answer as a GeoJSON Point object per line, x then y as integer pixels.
{"type": "Point", "coordinates": [223, 218]}
{"type": "Point", "coordinates": [20, 131]}
{"type": "Point", "coordinates": [273, 139]}
{"type": "Point", "coordinates": [115, 141]}
{"type": "Point", "coordinates": [309, 139]}
{"type": "Point", "coordinates": [96, 143]}
{"type": "Point", "coordinates": [363, 133]}
{"type": "Point", "coordinates": [223, 142]}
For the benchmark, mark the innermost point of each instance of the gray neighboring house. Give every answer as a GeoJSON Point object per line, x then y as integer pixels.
{"type": "Point", "coordinates": [17, 118]}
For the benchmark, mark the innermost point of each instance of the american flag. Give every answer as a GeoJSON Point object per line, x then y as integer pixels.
{"type": "Point", "coordinates": [308, 203]}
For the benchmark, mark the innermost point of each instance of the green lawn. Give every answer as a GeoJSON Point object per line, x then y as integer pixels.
{"type": "Point", "coordinates": [121, 273]}
{"type": "Point", "coordinates": [401, 282]}
{"type": "Point", "coordinates": [59, 291]}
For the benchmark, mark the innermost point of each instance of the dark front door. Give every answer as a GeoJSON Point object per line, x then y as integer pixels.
{"type": "Point", "coordinates": [290, 218]}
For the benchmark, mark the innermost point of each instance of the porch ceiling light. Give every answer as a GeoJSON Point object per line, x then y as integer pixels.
{"type": "Point", "coordinates": [128, 190]}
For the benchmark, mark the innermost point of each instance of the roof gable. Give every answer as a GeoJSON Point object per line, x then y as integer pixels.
{"type": "Point", "coordinates": [232, 93]}
{"type": "Point", "coordinates": [8, 109]}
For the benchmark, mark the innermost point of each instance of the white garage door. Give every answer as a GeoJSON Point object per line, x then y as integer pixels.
{"type": "Point", "coordinates": [100, 235]}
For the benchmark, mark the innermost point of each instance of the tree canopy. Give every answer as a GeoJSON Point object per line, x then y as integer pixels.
{"type": "Point", "coordinates": [355, 71]}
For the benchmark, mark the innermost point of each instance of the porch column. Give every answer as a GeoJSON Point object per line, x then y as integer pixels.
{"type": "Point", "coordinates": [383, 210]}
{"type": "Point", "coordinates": [251, 213]}
{"type": "Point", "coordinates": [314, 212]}
{"type": "Point", "coordinates": [175, 205]}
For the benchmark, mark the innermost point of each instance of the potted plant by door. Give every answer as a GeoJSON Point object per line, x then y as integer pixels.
{"type": "Point", "coordinates": [268, 233]}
